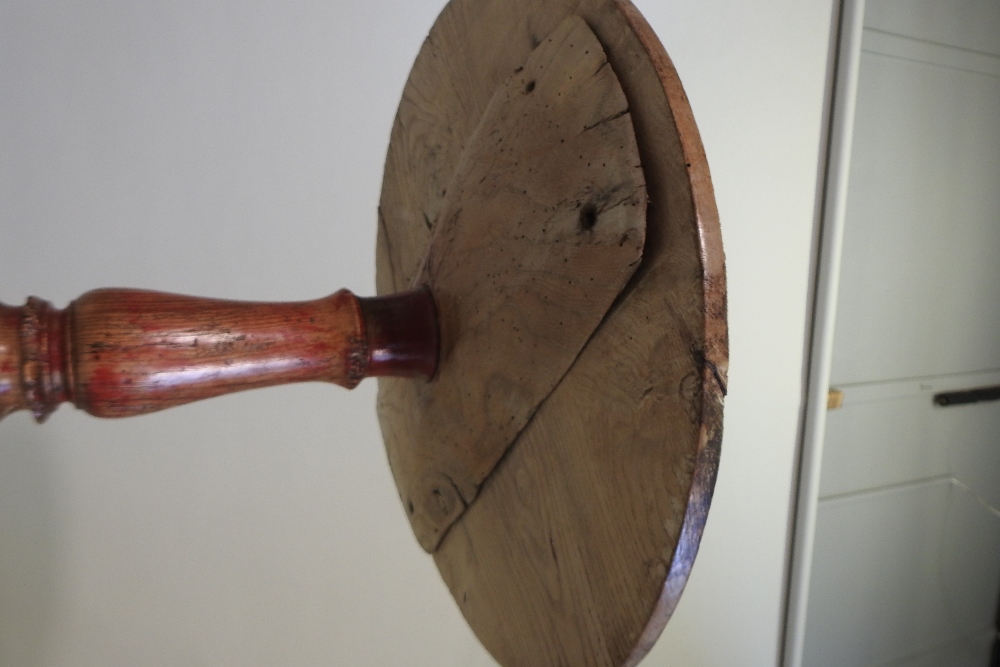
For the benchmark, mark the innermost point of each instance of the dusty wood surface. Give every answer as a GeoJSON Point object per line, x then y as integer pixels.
{"type": "Point", "coordinates": [541, 228]}
{"type": "Point", "coordinates": [579, 543]}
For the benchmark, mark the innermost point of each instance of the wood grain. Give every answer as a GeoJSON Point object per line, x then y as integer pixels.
{"type": "Point", "coordinates": [542, 226]}
{"type": "Point", "coordinates": [579, 543]}
{"type": "Point", "coordinates": [11, 387]}
{"type": "Point", "coordinates": [119, 353]}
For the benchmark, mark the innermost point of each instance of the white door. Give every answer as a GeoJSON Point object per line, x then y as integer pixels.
{"type": "Point", "coordinates": [905, 528]}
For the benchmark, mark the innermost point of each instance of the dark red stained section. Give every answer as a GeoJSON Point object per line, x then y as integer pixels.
{"type": "Point", "coordinates": [402, 334]}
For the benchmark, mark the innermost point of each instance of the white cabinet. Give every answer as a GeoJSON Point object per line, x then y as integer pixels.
{"type": "Point", "coordinates": [890, 433]}
{"type": "Point", "coordinates": [920, 279]}
{"type": "Point", "coordinates": [899, 572]}
{"type": "Point", "coordinates": [905, 561]}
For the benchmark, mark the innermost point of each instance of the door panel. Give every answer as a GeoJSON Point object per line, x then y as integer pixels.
{"type": "Point", "coordinates": [900, 571]}
{"type": "Point", "coordinates": [918, 292]}
{"type": "Point", "coordinates": [892, 432]}
{"type": "Point", "coordinates": [969, 24]}
{"type": "Point", "coordinates": [972, 651]}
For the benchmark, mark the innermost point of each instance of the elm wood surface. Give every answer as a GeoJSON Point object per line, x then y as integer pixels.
{"type": "Point", "coordinates": [581, 539]}
{"type": "Point", "coordinates": [542, 226]}
{"type": "Point", "coordinates": [119, 353]}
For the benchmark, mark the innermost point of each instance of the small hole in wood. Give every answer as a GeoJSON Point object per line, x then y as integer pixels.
{"type": "Point", "coordinates": [588, 217]}
{"type": "Point", "coordinates": [530, 87]}
{"type": "Point", "coordinates": [443, 504]}
{"type": "Point", "coordinates": [410, 507]}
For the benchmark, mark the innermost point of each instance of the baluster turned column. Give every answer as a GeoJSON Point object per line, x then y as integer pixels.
{"type": "Point", "coordinates": [118, 353]}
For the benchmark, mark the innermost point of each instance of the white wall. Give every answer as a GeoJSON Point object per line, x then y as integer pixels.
{"type": "Point", "coordinates": [235, 150]}
{"type": "Point", "coordinates": [756, 75]}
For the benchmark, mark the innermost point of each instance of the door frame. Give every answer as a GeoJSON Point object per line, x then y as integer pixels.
{"type": "Point", "coordinates": [831, 236]}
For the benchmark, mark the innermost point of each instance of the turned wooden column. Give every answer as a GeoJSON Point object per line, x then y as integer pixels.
{"type": "Point", "coordinates": [119, 352]}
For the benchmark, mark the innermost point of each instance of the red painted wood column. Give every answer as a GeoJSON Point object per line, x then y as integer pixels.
{"type": "Point", "coordinates": [119, 352]}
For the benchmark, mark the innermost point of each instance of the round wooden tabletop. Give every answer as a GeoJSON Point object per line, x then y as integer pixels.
{"type": "Point", "coordinates": [580, 540]}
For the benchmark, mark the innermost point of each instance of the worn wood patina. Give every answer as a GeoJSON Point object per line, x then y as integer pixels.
{"type": "Point", "coordinates": [578, 544]}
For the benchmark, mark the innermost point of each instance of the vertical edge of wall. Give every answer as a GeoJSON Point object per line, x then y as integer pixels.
{"type": "Point", "coordinates": [841, 134]}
